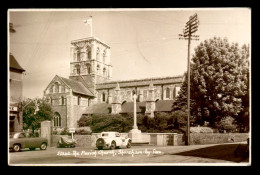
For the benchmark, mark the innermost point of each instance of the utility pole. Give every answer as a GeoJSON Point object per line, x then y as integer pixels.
{"type": "Point", "coordinates": [190, 28]}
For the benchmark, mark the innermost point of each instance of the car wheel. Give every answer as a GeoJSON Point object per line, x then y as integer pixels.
{"type": "Point", "coordinates": [17, 148]}
{"type": "Point", "coordinates": [128, 144]}
{"type": "Point", "coordinates": [113, 145]}
{"type": "Point", "coordinates": [100, 147]}
{"type": "Point", "coordinates": [43, 146]}
{"type": "Point", "coordinates": [32, 149]}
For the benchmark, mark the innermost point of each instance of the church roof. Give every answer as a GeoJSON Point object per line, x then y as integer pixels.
{"type": "Point", "coordinates": [14, 64]}
{"type": "Point", "coordinates": [99, 108]}
{"type": "Point", "coordinates": [140, 82]}
{"type": "Point", "coordinates": [77, 86]}
{"type": "Point", "coordinates": [163, 105]}
{"type": "Point", "coordinates": [128, 107]}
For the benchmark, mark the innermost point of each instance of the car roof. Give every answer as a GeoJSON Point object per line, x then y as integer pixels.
{"type": "Point", "coordinates": [109, 132]}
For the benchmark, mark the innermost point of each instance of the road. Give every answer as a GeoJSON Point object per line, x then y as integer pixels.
{"type": "Point", "coordinates": [136, 155]}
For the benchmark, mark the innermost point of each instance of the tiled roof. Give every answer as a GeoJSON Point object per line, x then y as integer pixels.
{"type": "Point", "coordinates": [140, 82]}
{"type": "Point", "coordinates": [128, 107]}
{"type": "Point", "coordinates": [163, 105]}
{"type": "Point", "coordinates": [77, 86]}
{"type": "Point", "coordinates": [14, 64]}
{"type": "Point", "coordinates": [100, 108]}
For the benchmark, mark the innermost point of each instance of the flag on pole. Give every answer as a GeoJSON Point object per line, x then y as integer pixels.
{"type": "Point", "coordinates": [89, 22]}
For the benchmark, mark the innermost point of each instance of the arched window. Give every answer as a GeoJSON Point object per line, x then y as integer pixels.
{"type": "Point", "coordinates": [89, 53]}
{"type": "Point", "coordinates": [177, 89]}
{"type": "Point", "coordinates": [51, 101]}
{"type": "Point", "coordinates": [103, 97]}
{"type": "Point", "coordinates": [167, 92]}
{"type": "Point", "coordinates": [62, 100]}
{"type": "Point", "coordinates": [78, 69]}
{"type": "Point", "coordinates": [78, 56]}
{"type": "Point", "coordinates": [57, 120]}
{"type": "Point", "coordinates": [88, 68]}
{"type": "Point", "coordinates": [104, 72]}
{"type": "Point", "coordinates": [56, 87]}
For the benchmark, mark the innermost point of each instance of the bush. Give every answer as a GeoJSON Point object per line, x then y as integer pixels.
{"type": "Point", "coordinates": [64, 132]}
{"type": "Point", "coordinates": [226, 124]}
{"type": "Point", "coordinates": [83, 131]}
{"type": "Point", "coordinates": [201, 130]}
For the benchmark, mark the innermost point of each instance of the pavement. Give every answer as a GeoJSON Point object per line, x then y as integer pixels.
{"type": "Point", "coordinates": [136, 155]}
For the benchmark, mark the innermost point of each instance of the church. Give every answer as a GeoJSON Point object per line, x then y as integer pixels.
{"type": "Point", "coordinates": [90, 89]}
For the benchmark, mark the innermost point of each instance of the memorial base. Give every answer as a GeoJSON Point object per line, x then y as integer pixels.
{"type": "Point", "coordinates": [136, 136]}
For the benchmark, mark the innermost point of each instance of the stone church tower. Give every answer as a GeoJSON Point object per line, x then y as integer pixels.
{"type": "Point", "coordinates": [90, 62]}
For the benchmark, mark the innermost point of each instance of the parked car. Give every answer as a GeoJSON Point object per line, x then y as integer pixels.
{"type": "Point", "coordinates": [64, 142]}
{"type": "Point", "coordinates": [112, 140]}
{"type": "Point", "coordinates": [20, 141]}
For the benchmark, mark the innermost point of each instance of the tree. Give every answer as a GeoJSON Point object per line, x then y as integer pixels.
{"type": "Point", "coordinates": [219, 81]}
{"type": "Point", "coordinates": [31, 117]}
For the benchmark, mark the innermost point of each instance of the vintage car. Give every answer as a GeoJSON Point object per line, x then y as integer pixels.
{"type": "Point", "coordinates": [112, 140]}
{"type": "Point", "coordinates": [20, 141]}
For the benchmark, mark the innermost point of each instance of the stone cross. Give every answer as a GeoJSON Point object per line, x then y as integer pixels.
{"type": "Point", "coordinates": [135, 123]}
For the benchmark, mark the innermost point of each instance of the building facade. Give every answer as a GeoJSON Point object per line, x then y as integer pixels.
{"type": "Point", "coordinates": [90, 89]}
{"type": "Point", "coordinates": [15, 95]}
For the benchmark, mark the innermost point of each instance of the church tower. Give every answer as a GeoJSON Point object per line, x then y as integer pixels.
{"type": "Point", "coordinates": [90, 60]}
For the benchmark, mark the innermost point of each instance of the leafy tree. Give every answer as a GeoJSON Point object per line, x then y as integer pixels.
{"type": "Point", "coordinates": [219, 81]}
{"type": "Point", "coordinates": [31, 117]}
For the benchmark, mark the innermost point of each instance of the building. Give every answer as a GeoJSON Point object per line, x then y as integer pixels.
{"type": "Point", "coordinates": [90, 89]}
{"type": "Point", "coordinates": [15, 95]}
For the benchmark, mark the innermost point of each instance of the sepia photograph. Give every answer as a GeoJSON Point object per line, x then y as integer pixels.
{"type": "Point", "coordinates": [129, 87]}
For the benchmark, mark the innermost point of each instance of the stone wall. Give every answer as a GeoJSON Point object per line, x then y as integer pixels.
{"type": "Point", "coordinates": [164, 139]}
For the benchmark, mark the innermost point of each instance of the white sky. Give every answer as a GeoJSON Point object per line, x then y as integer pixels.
{"type": "Point", "coordinates": [144, 42]}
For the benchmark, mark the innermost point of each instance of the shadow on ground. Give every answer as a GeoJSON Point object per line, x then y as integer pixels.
{"type": "Point", "coordinates": [221, 152]}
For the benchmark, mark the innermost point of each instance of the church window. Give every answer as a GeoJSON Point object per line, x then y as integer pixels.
{"type": "Point", "coordinates": [78, 56]}
{"type": "Point", "coordinates": [56, 87]}
{"type": "Point", "coordinates": [57, 120]}
{"type": "Point", "coordinates": [88, 68]}
{"type": "Point", "coordinates": [51, 101]}
{"type": "Point", "coordinates": [79, 99]}
{"type": "Point", "coordinates": [167, 92]}
{"type": "Point", "coordinates": [78, 69]}
{"type": "Point", "coordinates": [104, 72]}
{"type": "Point", "coordinates": [103, 97]}
{"type": "Point", "coordinates": [89, 53]}
{"type": "Point", "coordinates": [62, 100]}
{"type": "Point", "coordinates": [177, 89]}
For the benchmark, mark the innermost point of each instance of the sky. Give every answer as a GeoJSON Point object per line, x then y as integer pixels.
{"type": "Point", "coordinates": [144, 42]}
